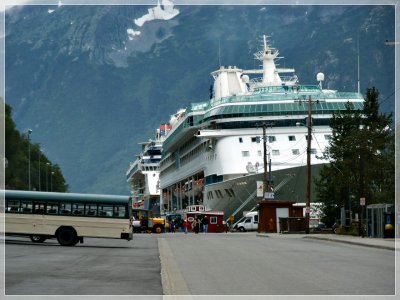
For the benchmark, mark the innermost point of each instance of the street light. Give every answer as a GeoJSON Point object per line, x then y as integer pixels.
{"type": "Point", "coordinates": [345, 214]}
{"type": "Point", "coordinates": [47, 175]}
{"type": "Point", "coordinates": [40, 154]}
{"type": "Point", "coordinates": [51, 181]}
{"type": "Point", "coordinates": [29, 158]}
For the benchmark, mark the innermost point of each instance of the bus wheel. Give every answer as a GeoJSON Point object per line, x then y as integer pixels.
{"type": "Point", "coordinates": [66, 236]}
{"type": "Point", "coordinates": [158, 229]}
{"type": "Point", "coordinates": [37, 238]}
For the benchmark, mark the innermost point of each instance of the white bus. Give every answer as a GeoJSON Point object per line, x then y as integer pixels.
{"type": "Point", "coordinates": [67, 216]}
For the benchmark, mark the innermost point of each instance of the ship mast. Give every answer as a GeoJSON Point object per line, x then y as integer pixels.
{"type": "Point", "coordinates": [268, 56]}
{"type": "Point", "coordinates": [270, 73]}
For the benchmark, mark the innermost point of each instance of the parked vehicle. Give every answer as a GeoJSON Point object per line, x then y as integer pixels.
{"type": "Point", "coordinates": [320, 227]}
{"type": "Point", "coordinates": [144, 221]}
{"type": "Point", "coordinates": [250, 222]}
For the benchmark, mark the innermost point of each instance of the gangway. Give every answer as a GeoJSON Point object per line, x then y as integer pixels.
{"type": "Point", "coordinates": [253, 195]}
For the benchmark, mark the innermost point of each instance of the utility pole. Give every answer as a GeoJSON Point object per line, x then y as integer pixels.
{"type": "Point", "coordinates": [308, 167]}
{"type": "Point", "coordinates": [266, 179]}
{"type": "Point", "coordinates": [309, 130]}
{"type": "Point", "coordinates": [265, 158]}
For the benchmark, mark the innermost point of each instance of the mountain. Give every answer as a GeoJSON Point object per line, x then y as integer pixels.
{"type": "Point", "coordinates": [93, 81]}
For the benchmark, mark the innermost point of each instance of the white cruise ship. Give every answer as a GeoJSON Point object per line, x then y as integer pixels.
{"type": "Point", "coordinates": [214, 154]}
{"type": "Point", "coordinates": [143, 173]}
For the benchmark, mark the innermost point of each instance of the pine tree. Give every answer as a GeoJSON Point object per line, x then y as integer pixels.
{"type": "Point", "coordinates": [362, 160]}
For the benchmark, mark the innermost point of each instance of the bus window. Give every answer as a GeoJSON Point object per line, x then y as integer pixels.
{"type": "Point", "coordinates": [38, 208]}
{"type": "Point", "coordinates": [91, 209]}
{"type": "Point", "coordinates": [65, 209]}
{"type": "Point", "coordinates": [52, 208]}
{"type": "Point", "coordinates": [78, 208]}
{"type": "Point", "coordinates": [26, 207]}
{"type": "Point", "coordinates": [119, 211]}
{"type": "Point", "coordinates": [13, 205]}
{"type": "Point", "coordinates": [105, 210]}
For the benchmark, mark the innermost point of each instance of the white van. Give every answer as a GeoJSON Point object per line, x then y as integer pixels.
{"type": "Point", "coordinates": [250, 223]}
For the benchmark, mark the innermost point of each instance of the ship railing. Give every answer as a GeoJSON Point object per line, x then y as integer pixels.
{"type": "Point", "coordinates": [132, 169]}
{"type": "Point", "coordinates": [151, 160]}
{"type": "Point", "coordinates": [286, 89]}
{"type": "Point", "coordinates": [259, 95]}
{"type": "Point", "coordinates": [286, 80]}
{"type": "Point", "coordinates": [200, 106]}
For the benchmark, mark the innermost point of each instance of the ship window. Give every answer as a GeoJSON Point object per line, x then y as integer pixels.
{"type": "Point", "coordinates": [254, 139]}
{"type": "Point", "coordinates": [292, 138]}
{"type": "Point", "coordinates": [275, 152]}
{"type": "Point", "coordinates": [259, 153]}
{"type": "Point", "coordinates": [295, 151]}
{"type": "Point", "coordinates": [307, 139]}
{"type": "Point", "coordinates": [219, 194]}
{"type": "Point", "coordinates": [271, 138]}
{"type": "Point", "coordinates": [240, 140]}
{"type": "Point", "coordinates": [313, 151]}
{"type": "Point", "coordinates": [327, 137]}
{"type": "Point", "coordinates": [229, 192]}
{"type": "Point", "coordinates": [245, 153]}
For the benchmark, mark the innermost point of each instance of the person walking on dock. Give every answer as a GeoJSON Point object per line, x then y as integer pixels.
{"type": "Point", "coordinates": [196, 225]}
{"type": "Point", "coordinates": [185, 226]}
{"type": "Point", "coordinates": [205, 224]}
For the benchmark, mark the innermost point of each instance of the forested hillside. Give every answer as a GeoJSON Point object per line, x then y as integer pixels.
{"type": "Point", "coordinates": [19, 150]}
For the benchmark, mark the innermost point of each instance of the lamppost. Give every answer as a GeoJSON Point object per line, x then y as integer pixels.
{"type": "Point", "coordinates": [29, 158]}
{"type": "Point", "coordinates": [51, 181]}
{"type": "Point", "coordinates": [40, 185]}
{"type": "Point", "coordinates": [346, 214]}
{"type": "Point", "coordinates": [47, 176]}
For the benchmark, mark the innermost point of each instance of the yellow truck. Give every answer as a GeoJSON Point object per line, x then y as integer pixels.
{"type": "Point", "coordinates": [143, 221]}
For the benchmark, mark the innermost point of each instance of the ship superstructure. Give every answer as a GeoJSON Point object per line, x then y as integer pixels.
{"type": "Point", "coordinates": [213, 155]}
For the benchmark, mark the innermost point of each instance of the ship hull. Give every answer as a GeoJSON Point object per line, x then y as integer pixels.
{"type": "Point", "coordinates": [238, 195]}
